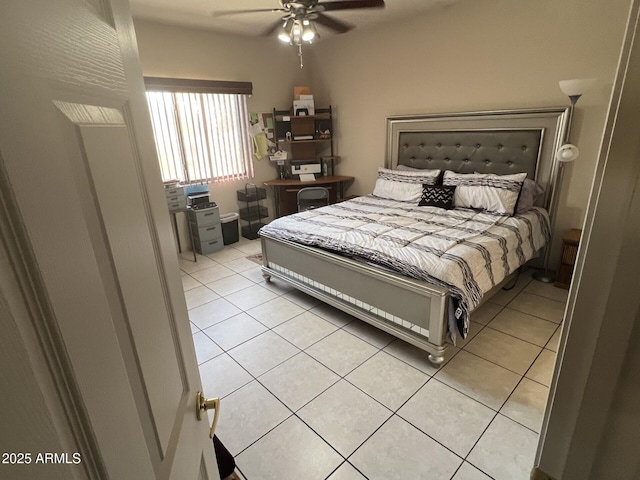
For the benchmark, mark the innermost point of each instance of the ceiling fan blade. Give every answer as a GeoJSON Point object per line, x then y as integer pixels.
{"type": "Point", "coordinates": [348, 5]}
{"type": "Point", "coordinates": [224, 13]}
{"type": "Point", "coordinates": [332, 23]}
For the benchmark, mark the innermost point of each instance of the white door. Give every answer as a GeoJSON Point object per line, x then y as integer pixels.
{"type": "Point", "coordinates": [98, 370]}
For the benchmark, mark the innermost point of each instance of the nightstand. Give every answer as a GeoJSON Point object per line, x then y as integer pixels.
{"type": "Point", "coordinates": [570, 243]}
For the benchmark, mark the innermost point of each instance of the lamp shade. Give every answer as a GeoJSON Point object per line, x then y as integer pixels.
{"type": "Point", "coordinates": [567, 153]}
{"type": "Point", "coordinates": [285, 32]}
{"type": "Point", "coordinates": [308, 31]}
{"type": "Point", "coordinates": [576, 86]}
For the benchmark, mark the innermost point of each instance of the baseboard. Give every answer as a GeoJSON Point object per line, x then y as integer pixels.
{"type": "Point", "coordinates": [537, 474]}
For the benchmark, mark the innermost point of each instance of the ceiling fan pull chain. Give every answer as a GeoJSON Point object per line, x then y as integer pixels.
{"type": "Point", "coordinates": [300, 54]}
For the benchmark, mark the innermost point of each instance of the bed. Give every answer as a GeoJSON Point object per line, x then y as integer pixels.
{"type": "Point", "coordinates": [381, 288]}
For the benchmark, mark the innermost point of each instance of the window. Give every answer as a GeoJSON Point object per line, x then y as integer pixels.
{"type": "Point", "coordinates": [201, 129]}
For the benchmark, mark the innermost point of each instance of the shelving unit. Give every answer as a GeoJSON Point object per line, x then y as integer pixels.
{"type": "Point", "coordinates": [570, 243]}
{"type": "Point", "coordinates": [253, 212]}
{"type": "Point", "coordinates": [308, 139]}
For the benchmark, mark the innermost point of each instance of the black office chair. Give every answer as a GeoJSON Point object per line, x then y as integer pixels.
{"type": "Point", "coordinates": [312, 197]}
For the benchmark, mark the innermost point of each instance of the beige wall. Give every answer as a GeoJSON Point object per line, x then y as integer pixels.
{"type": "Point", "coordinates": [167, 51]}
{"type": "Point", "coordinates": [474, 55]}
{"type": "Point", "coordinates": [593, 413]}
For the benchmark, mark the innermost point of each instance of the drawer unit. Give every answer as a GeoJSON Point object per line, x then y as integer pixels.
{"type": "Point", "coordinates": [205, 247]}
{"type": "Point", "coordinates": [176, 199]}
{"type": "Point", "coordinates": [205, 216]}
{"type": "Point", "coordinates": [206, 230]}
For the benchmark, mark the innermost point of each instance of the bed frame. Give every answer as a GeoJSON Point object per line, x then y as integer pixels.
{"type": "Point", "coordinates": [415, 311]}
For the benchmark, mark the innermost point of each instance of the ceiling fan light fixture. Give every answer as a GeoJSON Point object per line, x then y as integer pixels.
{"type": "Point", "coordinates": [285, 32]}
{"type": "Point", "coordinates": [309, 31]}
{"type": "Point", "coordinates": [296, 32]}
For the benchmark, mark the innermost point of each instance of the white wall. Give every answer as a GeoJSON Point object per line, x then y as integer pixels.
{"type": "Point", "coordinates": [474, 55]}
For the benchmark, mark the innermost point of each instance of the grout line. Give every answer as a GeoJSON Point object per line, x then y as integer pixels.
{"type": "Point", "coordinates": [337, 373]}
{"type": "Point", "coordinates": [491, 422]}
{"type": "Point", "coordinates": [558, 341]}
{"type": "Point", "coordinates": [379, 349]}
{"type": "Point", "coordinates": [490, 407]}
{"type": "Point", "coordinates": [525, 313]}
{"type": "Point", "coordinates": [536, 316]}
{"type": "Point", "coordinates": [313, 398]}
{"type": "Point", "coordinates": [505, 368]}
{"type": "Point", "coordinates": [512, 336]}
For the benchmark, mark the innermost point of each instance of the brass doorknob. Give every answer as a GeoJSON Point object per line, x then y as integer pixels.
{"type": "Point", "coordinates": [203, 404]}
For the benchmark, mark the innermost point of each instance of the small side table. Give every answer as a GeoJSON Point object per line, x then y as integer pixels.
{"type": "Point", "coordinates": [570, 243]}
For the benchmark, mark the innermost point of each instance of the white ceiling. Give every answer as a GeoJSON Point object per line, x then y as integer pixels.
{"type": "Point", "coordinates": [198, 14]}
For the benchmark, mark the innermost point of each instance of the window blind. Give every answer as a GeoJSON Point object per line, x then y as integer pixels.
{"type": "Point", "coordinates": [201, 136]}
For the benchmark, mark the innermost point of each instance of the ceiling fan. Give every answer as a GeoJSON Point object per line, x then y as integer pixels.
{"type": "Point", "coordinates": [297, 24]}
{"type": "Point", "coordinates": [309, 10]}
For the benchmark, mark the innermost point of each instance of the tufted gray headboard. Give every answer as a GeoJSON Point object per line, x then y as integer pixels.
{"type": "Point", "coordinates": [502, 152]}
{"type": "Point", "coordinates": [499, 142]}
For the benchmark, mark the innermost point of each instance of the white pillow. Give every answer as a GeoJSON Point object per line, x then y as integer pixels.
{"type": "Point", "coordinates": [403, 186]}
{"type": "Point", "coordinates": [486, 191]}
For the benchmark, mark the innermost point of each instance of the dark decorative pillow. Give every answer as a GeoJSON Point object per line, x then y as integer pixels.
{"type": "Point", "coordinates": [440, 196]}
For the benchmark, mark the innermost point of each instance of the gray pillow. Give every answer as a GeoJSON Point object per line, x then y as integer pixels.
{"type": "Point", "coordinates": [528, 195]}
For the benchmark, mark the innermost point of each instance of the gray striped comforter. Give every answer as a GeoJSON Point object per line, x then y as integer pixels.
{"type": "Point", "coordinates": [464, 250]}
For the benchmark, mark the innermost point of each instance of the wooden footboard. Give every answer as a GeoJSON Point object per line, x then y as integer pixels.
{"type": "Point", "coordinates": [412, 310]}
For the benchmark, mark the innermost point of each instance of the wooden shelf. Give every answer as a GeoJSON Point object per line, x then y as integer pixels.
{"type": "Point", "coordinates": [313, 140]}
{"type": "Point", "coordinates": [304, 126]}
{"type": "Point", "coordinates": [322, 116]}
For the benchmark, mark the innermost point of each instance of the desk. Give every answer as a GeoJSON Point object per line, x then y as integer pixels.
{"type": "Point", "coordinates": [286, 191]}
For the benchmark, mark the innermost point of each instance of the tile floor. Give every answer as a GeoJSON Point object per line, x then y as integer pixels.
{"type": "Point", "coordinates": [310, 392]}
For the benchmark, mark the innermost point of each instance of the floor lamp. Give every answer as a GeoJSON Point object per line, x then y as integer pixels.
{"type": "Point", "coordinates": [566, 153]}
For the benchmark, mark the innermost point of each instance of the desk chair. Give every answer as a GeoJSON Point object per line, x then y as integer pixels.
{"type": "Point", "coordinates": [312, 197]}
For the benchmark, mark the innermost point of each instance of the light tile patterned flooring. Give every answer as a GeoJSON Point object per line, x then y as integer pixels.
{"type": "Point", "coordinates": [310, 392]}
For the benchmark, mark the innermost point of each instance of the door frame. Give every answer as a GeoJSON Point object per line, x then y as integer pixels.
{"type": "Point", "coordinates": [603, 301]}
